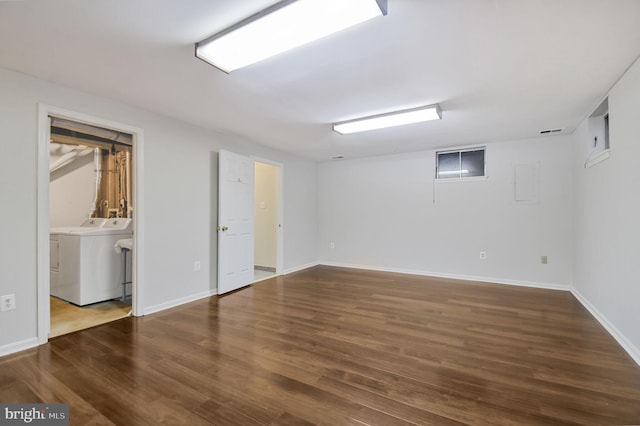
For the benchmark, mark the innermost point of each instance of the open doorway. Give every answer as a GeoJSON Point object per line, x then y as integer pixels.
{"type": "Point", "coordinates": [90, 215]}
{"type": "Point", "coordinates": [267, 222]}
{"type": "Point", "coordinates": [88, 255]}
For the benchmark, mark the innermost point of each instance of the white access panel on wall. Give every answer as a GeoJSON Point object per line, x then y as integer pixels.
{"type": "Point", "coordinates": [525, 183]}
{"type": "Point", "coordinates": [235, 221]}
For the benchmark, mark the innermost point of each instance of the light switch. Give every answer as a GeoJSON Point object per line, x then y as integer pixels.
{"type": "Point", "coordinates": [262, 205]}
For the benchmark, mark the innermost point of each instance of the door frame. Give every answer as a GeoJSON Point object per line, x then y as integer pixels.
{"type": "Point", "coordinates": [280, 201]}
{"type": "Point", "coordinates": [42, 216]}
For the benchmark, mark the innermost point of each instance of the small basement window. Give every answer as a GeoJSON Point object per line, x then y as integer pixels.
{"type": "Point", "coordinates": [460, 164]}
{"type": "Point", "coordinates": [598, 127]}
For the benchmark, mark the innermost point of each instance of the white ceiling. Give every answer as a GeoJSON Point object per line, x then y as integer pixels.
{"type": "Point", "coordinates": [500, 69]}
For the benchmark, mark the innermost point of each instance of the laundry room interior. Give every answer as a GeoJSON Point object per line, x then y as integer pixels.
{"type": "Point", "coordinates": [91, 229]}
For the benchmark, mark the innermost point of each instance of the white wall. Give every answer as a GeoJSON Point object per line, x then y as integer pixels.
{"type": "Point", "coordinates": [180, 199]}
{"type": "Point", "coordinates": [266, 215]}
{"type": "Point", "coordinates": [72, 191]}
{"type": "Point", "coordinates": [607, 218]}
{"type": "Point", "coordinates": [387, 213]}
{"type": "Point", "coordinates": [300, 214]}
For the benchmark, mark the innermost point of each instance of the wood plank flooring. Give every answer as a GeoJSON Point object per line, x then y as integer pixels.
{"type": "Point", "coordinates": [337, 346]}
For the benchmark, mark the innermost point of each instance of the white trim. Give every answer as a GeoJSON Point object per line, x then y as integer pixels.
{"type": "Point", "coordinates": [464, 179]}
{"type": "Point", "coordinates": [180, 301]}
{"type": "Point", "coordinates": [19, 346]}
{"type": "Point", "coordinates": [280, 256]}
{"type": "Point", "coordinates": [42, 226]}
{"type": "Point", "coordinates": [42, 215]}
{"type": "Point", "coordinates": [465, 148]}
{"type": "Point", "coordinates": [547, 286]}
{"type": "Point", "coordinates": [137, 258]}
{"type": "Point", "coordinates": [301, 267]}
{"type": "Point", "coordinates": [630, 348]}
{"type": "Point", "coordinates": [599, 158]}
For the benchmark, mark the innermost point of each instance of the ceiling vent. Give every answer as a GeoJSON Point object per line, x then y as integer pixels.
{"type": "Point", "coordinates": [548, 131]}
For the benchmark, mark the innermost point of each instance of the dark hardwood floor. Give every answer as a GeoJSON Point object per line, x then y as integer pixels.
{"type": "Point", "coordinates": [341, 346]}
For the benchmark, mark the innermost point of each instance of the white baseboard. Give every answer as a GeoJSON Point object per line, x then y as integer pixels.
{"type": "Point", "coordinates": [177, 302]}
{"type": "Point", "coordinates": [492, 280]}
{"type": "Point", "coordinates": [630, 348]}
{"type": "Point", "coordinates": [18, 346]}
{"type": "Point", "coordinates": [300, 268]}
{"type": "Point", "coordinates": [181, 301]}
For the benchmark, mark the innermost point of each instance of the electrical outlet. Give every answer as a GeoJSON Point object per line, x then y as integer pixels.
{"type": "Point", "coordinates": [544, 260]}
{"type": "Point", "coordinates": [483, 255]}
{"type": "Point", "coordinates": [7, 302]}
{"type": "Point", "coordinates": [332, 245]}
{"type": "Point", "coordinates": [196, 265]}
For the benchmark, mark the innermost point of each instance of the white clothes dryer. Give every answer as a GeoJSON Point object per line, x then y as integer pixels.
{"type": "Point", "coordinates": [84, 268]}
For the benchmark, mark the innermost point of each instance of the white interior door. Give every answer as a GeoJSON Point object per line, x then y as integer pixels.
{"type": "Point", "coordinates": [235, 221]}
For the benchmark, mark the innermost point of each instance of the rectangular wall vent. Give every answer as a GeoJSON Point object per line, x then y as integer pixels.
{"type": "Point", "coordinates": [545, 132]}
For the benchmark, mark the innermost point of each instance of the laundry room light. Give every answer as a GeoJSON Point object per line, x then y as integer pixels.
{"type": "Point", "coordinates": [281, 27]}
{"type": "Point", "coordinates": [391, 119]}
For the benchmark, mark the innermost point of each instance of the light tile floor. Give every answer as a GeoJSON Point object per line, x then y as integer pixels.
{"type": "Point", "coordinates": [259, 275]}
{"type": "Point", "coordinates": [67, 317]}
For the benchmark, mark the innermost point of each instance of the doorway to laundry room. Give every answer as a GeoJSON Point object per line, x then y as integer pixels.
{"type": "Point", "coordinates": [90, 225]}
{"type": "Point", "coordinates": [267, 220]}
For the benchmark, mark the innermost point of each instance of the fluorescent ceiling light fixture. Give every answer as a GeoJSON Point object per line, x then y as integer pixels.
{"type": "Point", "coordinates": [391, 119]}
{"type": "Point", "coordinates": [284, 26]}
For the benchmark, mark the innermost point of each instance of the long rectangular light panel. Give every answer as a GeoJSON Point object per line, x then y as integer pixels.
{"type": "Point", "coordinates": [392, 119]}
{"type": "Point", "coordinates": [284, 26]}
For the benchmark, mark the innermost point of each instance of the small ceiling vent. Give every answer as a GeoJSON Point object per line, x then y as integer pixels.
{"type": "Point", "coordinates": [548, 131]}
{"type": "Point", "coordinates": [338, 157]}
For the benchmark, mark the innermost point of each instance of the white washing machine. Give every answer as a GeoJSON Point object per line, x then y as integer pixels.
{"type": "Point", "coordinates": [84, 268]}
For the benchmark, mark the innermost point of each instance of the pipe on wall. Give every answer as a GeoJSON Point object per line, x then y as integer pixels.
{"type": "Point", "coordinates": [67, 158]}
{"type": "Point", "coordinates": [98, 169]}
